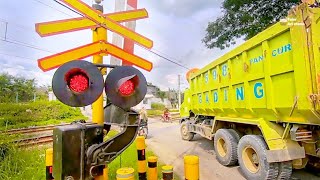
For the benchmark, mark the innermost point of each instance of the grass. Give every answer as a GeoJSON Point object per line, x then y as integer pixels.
{"type": "Point", "coordinates": [20, 115]}
{"type": "Point", "coordinates": [152, 112]}
{"type": "Point", "coordinates": [23, 164]}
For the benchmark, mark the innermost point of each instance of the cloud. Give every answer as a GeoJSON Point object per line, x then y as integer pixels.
{"type": "Point", "coordinates": [175, 26]}
{"type": "Point", "coordinates": [185, 8]}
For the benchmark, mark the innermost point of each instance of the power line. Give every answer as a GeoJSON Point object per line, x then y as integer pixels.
{"type": "Point", "coordinates": [178, 64]}
{"type": "Point", "coordinates": [165, 54]}
{"type": "Point", "coordinates": [68, 8]}
{"type": "Point", "coordinates": [53, 7]}
{"type": "Point", "coordinates": [25, 45]}
{"type": "Point", "coordinates": [2, 53]}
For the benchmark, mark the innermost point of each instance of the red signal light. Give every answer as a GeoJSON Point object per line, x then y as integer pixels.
{"type": "Point", "coordinates": [127, 88]}
{"type": "Point", "coordinates": [77, 83]}
{"type": "Point", "coordinates": [77, 80]}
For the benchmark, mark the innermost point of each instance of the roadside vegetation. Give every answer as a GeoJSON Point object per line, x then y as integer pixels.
{"type": "Point", "coordinates": [157, 110]}
{"type": "Point", "coordinates": [19, 115]}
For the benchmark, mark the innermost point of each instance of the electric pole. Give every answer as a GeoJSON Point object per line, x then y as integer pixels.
{"type": "Point", "coordinates": [179, 93]}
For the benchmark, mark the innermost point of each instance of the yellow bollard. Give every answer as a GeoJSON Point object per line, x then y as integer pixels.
{"type": "Point", "coordinates": [49, 161]}
{"type": "Point", "coordinates": [152, 168]}
{"type": "Point", "coordinates": [191, 167]}
{"type": "Point", "coordinates": [142, 163]}
{"type": "Point", "coordinates": [167, 172]}
{"type": "Point", "coordinates": [125, 174]}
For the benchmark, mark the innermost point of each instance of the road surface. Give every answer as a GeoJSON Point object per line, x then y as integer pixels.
{"type": "Point", "coordinates": [164, 139]}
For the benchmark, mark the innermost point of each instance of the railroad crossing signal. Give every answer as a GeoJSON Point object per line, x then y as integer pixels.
{"type": "Point", "coordinates": [94, 18]}
{"type": "Point", "coordinates": [75, 24]}
{"type": "Point", "coordinates": [80, 83]}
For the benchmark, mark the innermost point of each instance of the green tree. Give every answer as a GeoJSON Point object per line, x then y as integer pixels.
{"type": "Point", "coordinates": [11, 86]}
{"type": "Point", "coordinates": [244, 19]}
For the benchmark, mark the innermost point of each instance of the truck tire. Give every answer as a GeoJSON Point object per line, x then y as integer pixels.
{"type": "Point", "coordinates": [285, 170]}
{"type": "Point", "coordinates": [252, 154]}
{"type": "Point", "coordinates": [225, 146]}
{"type": "Point", "coordinates": [185, 134]}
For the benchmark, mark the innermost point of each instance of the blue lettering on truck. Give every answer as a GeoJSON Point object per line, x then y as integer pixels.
{"type": "Point", "coordinates": [224, 70]}
{"type": "Point", "coordinates": [215, 96]}
{"type": "Point", "coordinates": [226, 95]}
{"type": "Point", "coordinates": [207, 98]}
{"type": "Point", "coordinates": [258, 90]}
{"type": "Point", "coordinates": [256, 59]}
{"type": "Point", "coordinates": [200, 99]}
{"type": "Point", "coordinates": [214, 74]}
{"type": "Point", "coordinates": [206, 77]}
{"type": "Point", "coordinates": [281, 50]}
{"type": "Point", "coordinates": [240, 93]}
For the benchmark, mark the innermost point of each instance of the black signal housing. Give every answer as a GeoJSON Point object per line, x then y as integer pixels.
{"type": "Point", "coordinates": [77, 83]}
{"type": "Point", "coordinates": [125, 86]}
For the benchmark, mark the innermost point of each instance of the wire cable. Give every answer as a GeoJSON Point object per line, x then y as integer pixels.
{"type": "Point", "coordinates": [2, 53]}
{"type": "Point", "coordinates": [52, 7]}
{"type": "Point", "coordinates": [68, 8]}
{"type": "Point", "coordinates": [25, 45]}
{"type": "Point", "coordinates": [178, 64]}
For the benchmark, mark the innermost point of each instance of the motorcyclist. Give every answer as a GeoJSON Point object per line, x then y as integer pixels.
{"type": "Point", "coordinates": [166, 115]}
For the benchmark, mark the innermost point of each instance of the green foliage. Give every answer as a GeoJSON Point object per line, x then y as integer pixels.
{"type": "Point", "coordinates": [244, 18]}
{"type": "Point", "coordinates": [152, 112]}
{"type": "Point", "coordinates": [11, 86]}
{"type": "Point", "coordinates": [13, 115]}
{"type": "Point", "coordinates": [157, 106]}
{"type": "Point", "coordinates": [161, 94]}
{"type": "Point", "coordinates": [17, 164]}
{"type": "Point", "coordinates": [174, 110]}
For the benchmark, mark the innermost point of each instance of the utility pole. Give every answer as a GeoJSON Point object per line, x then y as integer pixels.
{"type": "Point", "coordinates": [179, 93]}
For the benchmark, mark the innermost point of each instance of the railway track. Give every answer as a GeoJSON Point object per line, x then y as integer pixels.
{"type": "Point", "coordinates": [32, 141]}
{"type": "Point", "coordinates": [39, 140]}
{"type": "Point", "coordinates": [29, 130]}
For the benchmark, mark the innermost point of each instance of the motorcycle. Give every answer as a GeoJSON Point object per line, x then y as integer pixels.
{"type": "Point", "coordinates": [166, 118]}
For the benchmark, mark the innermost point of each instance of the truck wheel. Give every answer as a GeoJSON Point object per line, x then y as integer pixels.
{"type": "Point", "coordinates": [285, 170]}
{"type": "Point", "coordinates": [252, 154]}
{"type": "Point", "coordinates": [225, 145]}
{"type": "Point", "coordinates": [185, 134]}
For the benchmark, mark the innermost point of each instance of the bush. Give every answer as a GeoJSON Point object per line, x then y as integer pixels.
{"type": "Point", "coordinates": [157, 106]}
{"type": "Point", "coordinates": [13, 115]}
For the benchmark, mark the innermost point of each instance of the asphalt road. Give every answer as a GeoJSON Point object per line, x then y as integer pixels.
{"type": "Point", "coordinates": [165, 140]}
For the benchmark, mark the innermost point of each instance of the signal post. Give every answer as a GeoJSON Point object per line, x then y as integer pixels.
{"type": "Point", "coordinates": [80, 83]}
{"type": "Point", "coordinates": [99, 34]}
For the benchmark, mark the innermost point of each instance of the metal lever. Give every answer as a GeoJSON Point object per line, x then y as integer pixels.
{"type": "Point", "coordinates": [105, 152]}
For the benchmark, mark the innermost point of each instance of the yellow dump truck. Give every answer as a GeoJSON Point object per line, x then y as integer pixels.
{"type": "Point", "coordinates": [260, 103]}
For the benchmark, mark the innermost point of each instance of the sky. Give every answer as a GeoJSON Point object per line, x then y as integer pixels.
{"type": "Point", "coordinates": [175, 26]}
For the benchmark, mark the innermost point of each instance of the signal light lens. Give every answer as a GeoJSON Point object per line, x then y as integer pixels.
{"type": "Point", "coordinates": [77, 83]}
{"type": "Point", "coordinates": [127, 88]}
{"type": "Point", "coordinates": [77, 80]}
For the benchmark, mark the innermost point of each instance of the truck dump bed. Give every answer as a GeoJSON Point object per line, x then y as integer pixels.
{"type": "Point", "coordinates": [274, 76]}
